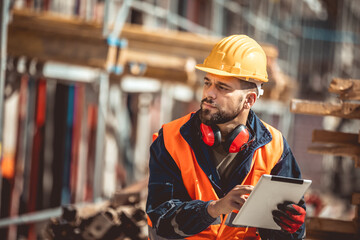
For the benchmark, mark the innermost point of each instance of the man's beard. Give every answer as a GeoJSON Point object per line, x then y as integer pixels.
{"type": "Point", "coordinates": [219, 117]}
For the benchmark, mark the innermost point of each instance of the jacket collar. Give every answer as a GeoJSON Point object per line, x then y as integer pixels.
{"type": "Point", "coordinates": [262, 134]}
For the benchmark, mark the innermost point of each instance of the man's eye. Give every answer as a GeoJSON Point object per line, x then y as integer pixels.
{"type": "Point", "coordinates": [222, 88]}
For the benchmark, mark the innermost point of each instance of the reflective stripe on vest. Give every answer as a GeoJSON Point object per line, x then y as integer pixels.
{"type": "Point", "coordinates": [199, 186]}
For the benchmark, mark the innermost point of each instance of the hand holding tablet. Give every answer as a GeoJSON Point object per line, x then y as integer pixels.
{"type": "Point", "coordinates": [267, 194]}
{"type": "Point", "coordinates": [233, 200]}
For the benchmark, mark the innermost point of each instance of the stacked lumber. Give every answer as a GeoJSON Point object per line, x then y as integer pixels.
{"type": "Point", "coordinates": [160, 54]}
{"type": "Point", "coordinates": [48, 37]}
{"type": "Point", "coordinates": [338, 144]}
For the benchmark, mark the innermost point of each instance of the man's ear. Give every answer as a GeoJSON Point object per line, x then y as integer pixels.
{"type": "Point", "coordinates": [250, 100]}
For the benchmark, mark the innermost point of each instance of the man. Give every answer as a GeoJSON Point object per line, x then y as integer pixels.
{"type": "Point", "coordinates": [204, 165]}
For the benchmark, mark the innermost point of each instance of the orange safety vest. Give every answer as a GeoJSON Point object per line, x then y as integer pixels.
{"type": "Point", "coordinates": [198, 184]}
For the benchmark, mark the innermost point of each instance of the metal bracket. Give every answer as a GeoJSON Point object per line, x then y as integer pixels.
{"type": "Point", "coordinates": [116, 55]}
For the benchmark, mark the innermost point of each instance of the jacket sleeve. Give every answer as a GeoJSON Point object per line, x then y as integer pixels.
{"type": "Point", "coordinates": [286, 167]}
{"type": "Point", "coordinates": [171, 210]}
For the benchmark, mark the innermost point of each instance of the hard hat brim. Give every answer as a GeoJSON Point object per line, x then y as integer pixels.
{"type": "Point", "coordinates": [227, 74]}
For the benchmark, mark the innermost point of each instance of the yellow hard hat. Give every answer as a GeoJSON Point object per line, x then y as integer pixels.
{"type": "Point", "coordinates": [237, 56]}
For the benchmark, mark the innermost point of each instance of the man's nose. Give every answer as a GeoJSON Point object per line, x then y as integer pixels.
{"type": "Point", "coordinates": [210, 92]}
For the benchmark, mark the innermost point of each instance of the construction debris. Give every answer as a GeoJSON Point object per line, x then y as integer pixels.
{"type": "Point", "coordinates": [122, 218]}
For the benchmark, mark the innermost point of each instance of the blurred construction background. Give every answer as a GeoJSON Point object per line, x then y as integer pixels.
{"type": "Point", "coordinates": [85, 83]}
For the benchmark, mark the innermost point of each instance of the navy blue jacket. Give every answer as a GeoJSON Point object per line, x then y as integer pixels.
{"type": "Point", "coordinates": [168, 197]}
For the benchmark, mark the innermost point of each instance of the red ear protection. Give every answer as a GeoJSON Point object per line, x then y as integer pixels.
{"type": "Point", "coordinates": [210, 135]}
{"type": "Point", "coordinates": [237, 140]}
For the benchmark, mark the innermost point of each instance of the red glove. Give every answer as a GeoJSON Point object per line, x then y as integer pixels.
{"type": "Point", "coordinates": [289, 216]}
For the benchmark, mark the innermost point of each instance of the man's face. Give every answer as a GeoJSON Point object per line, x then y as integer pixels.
{"type": "Point", "coordinates": [222, 100]}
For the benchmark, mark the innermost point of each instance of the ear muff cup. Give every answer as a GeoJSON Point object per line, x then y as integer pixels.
{"type": "Point", "coordinates": [237, 140]}
{"type": "Point", "coordinates": [210, 135]}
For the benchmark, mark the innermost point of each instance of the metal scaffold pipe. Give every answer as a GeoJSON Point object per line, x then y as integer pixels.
{"type": "Point", "coordinates": [5, 4]}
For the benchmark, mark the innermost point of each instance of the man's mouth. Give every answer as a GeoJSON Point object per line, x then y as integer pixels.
{"type": "Point", "coordinates": [207, 105]}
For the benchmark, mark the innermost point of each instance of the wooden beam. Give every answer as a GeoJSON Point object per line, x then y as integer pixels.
{"type": "Point", "coordinates": [348, 89]}
{"type": "Point", "coordinates": [157, 60]}
{"type": "Point", "coordinates": [355, 199]}
{"type": "Point", "coordinates": [331, 225]}
{"type": "Point", "coordinates": [48, 37]}
{"type": "Point", "coordinates": [44, 26]}
{"type": "Point", "coordinates": [323, 136]}
{"type": "Point", "coordinates": [171, 75]}
{"type": "Point", "coordinates": [357, 162]}
{"type": "Point", "coordinates": [57, 39]}
{"type": "Point", "coordinates": [159, 40]}
{"type": "Point", "coordinates": [343, 110]}
{"type": "Point", "coordinates": [177, 43]}
{"type": "Point", "coordinates": [168, 42]}
{"type": "Point", "coordinates": [338, 150]}
{"type": "Point", "coordinates": [315, 234]}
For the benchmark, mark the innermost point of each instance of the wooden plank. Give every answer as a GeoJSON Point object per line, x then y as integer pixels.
{"type": "Point", "coordinates": [357, 161]}
{"type": "Point", "coordinates": [321, 235]}
{"type": "Point", "coordinates": [168, 42]}
{"type": "Point", "coordinates": [158, 66]}
{"type": "Point", "coordinates": [57, 39]}
{"type": "Point", "coordinates": [357, 215]}
{"type": "Point", "coordinates": [355, 199]}
{"type": "Point", "coordinates": [343, 110]}
{"type": "Point", "coordinates": [48, 37]}
{"type": "Point", "coordinates": [338, 150]}
{"type": "Point", "coordinates": [323, 136]}
{"type": "Point", "coordinates": [348, 89]}
{"type": "Point", "coordinates": [156, 59]}
{"type": "Point", "coordinates": [166, 74]}
{"type": "Point", "coordinates": [43, 26]}
{"type": "Point", "coordinates": [331, 225]}
{"type": "Point", "coordinates": [183, 44]}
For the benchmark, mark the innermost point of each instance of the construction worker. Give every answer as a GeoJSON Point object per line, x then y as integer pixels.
{"type": "Point", "coordinates": [204, 165]}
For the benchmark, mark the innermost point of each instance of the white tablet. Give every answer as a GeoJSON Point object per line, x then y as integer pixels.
{"type": "Point", "coordinates": [267, 194]}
